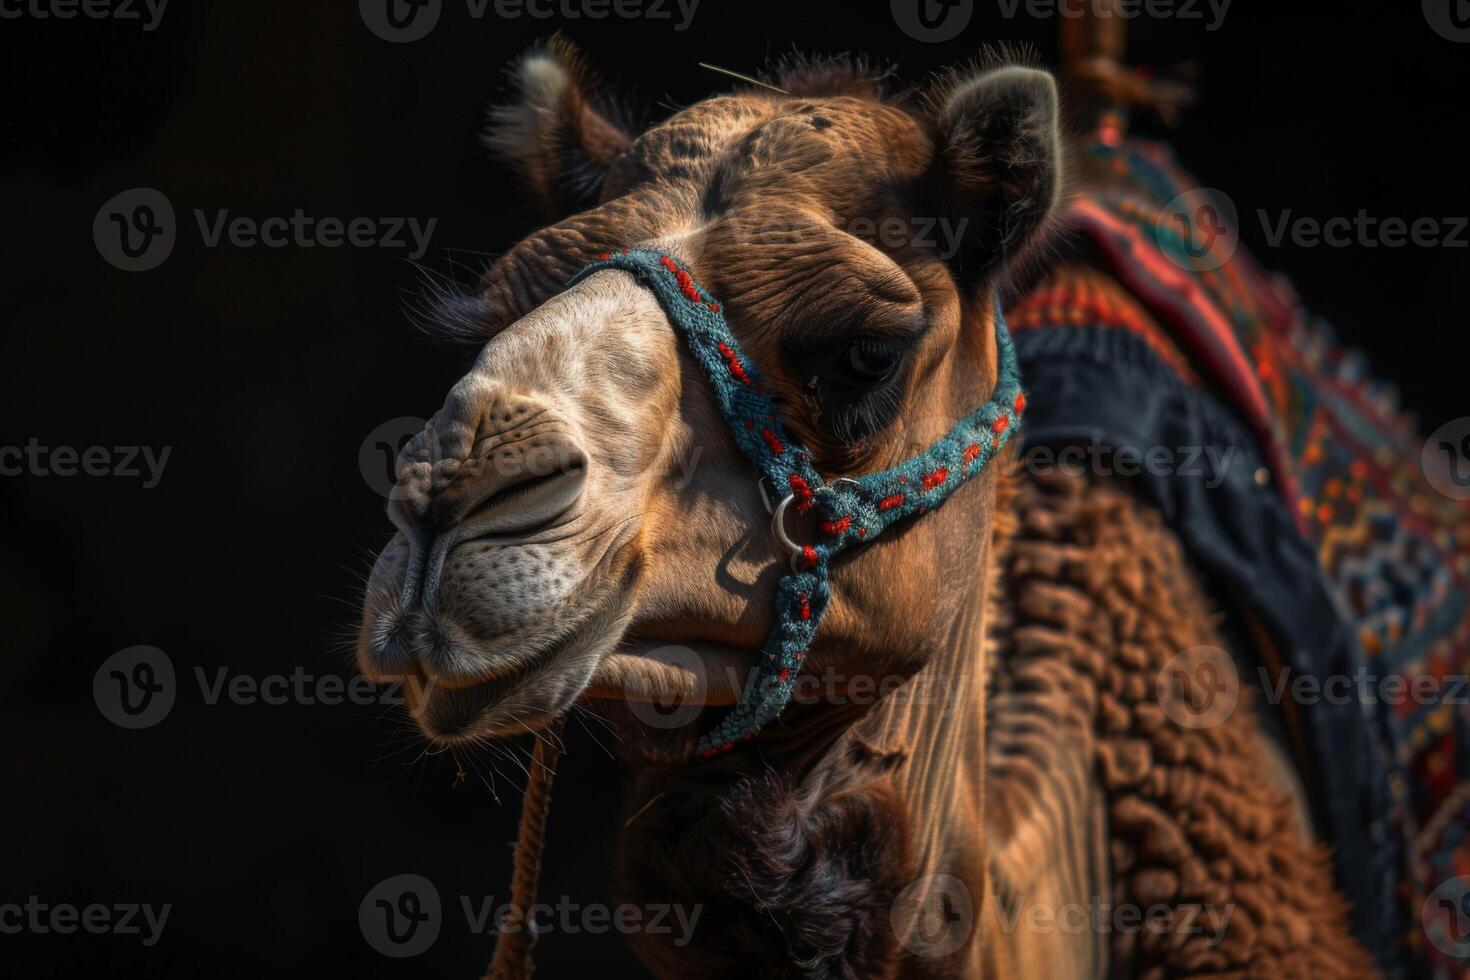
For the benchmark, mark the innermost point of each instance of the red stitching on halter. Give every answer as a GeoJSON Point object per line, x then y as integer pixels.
{"type": "Point", "coordinates": [802, 491]}
{"type": "Point", "coordinates": [732, 361]}
{"type": "Point", "coordinates": [686, 282]}
{"type": "Point", "coordinates": [837, 527]}
{"type": "Point", "coordinates": [808, 556]}
{"type": "Point", "coordinates": [888, 503]}
{"type": "Point", "coordinates": [932, 480]}
{"type": "Point", "coordinates": [806, 611]}
{"type": "Point", "coordinates": [971, 451]}
{"type": "Point", "coordinates": [686, 286]}
{"type": "Point", "coordinates": [1000, 424]}
{"type": "Point", "coordinates": [772, 441]}
{"type": "Point", "coordinates": [1020, 402]}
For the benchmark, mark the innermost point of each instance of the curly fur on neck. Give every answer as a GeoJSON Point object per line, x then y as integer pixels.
{"type": "Point", "coordinates": [796, 873]}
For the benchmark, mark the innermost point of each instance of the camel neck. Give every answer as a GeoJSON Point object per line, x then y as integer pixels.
{"type": "Point", "coordinates": [937, 724]}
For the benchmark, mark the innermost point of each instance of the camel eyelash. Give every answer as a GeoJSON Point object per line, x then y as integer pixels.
{"type": "Point", "coordinates": [854, 404]}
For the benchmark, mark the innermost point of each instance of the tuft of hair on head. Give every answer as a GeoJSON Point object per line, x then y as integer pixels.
{"type": "Point", "coordinates": [825, 76]}
{"type": "Point", "coordinates": [557, 130]}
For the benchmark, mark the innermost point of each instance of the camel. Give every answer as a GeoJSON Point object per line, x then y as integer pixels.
{"type": "Point", "coordinates": [980, 777]}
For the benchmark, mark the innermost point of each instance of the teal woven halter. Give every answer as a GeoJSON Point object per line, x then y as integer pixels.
{"type": "Point", "coordinates": [853, 510]}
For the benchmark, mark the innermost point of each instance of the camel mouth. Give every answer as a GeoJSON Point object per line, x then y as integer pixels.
{"type": "Point", "coordinates": [512, 636]}
{"type": "Point", "coordinates": [544, 686]}
{"type": "Point", "coordinates": [525, 698]}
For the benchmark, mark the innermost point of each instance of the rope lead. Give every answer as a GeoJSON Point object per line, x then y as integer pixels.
{"type": "Point", "coordinates": [514, 940]}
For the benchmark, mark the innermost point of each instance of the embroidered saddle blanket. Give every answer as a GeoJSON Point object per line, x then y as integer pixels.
{"type": "Point", "coordinates": [1296, 480]}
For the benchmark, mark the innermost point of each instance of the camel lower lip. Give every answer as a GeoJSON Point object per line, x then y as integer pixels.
{"type": "Point", "coordinates": [449, 708]}
{"type": "Point", "coordinates": [649, 670]}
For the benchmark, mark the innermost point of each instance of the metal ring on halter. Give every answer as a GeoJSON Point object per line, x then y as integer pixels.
{"type": "Point", "coordinates": [827, 488]}
{"type": "Point", "coordinates": [778, 521]}
{"type": "Point", "coordinates": [767, 490]}
{"type": "Point", "coordinates": [778, 530]}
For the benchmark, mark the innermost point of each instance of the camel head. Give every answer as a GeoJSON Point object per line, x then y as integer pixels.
{"type": "Point", "coordinates": [576, 520]}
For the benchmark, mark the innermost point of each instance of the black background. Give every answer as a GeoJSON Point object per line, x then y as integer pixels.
{"type": "Point", "coordinates": [265, 369]}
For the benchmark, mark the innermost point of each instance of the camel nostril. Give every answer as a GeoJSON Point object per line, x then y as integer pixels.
{"type": "Point", "coordinates": [529, 504]}
{"type": "Point", "coordinates": [491, 456]}
{"type": "Point", "coordinates": [491, 496]}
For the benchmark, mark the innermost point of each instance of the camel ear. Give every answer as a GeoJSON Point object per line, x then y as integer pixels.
{"type": "Point", "coordinates": [552, 132]}
{"type": "Point", "coordinates": [997, 169]}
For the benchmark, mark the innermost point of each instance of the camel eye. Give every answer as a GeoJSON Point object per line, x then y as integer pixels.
{"type": "Point", "coordinates": [872, 361]}
{"type": "Point", "coordinates": [854, 373]}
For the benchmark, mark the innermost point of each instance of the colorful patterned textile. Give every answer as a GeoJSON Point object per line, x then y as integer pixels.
{"type": "Point", "coordinates": [1323, 525]}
